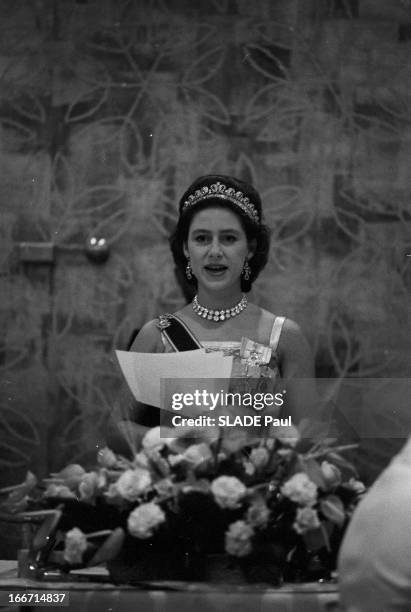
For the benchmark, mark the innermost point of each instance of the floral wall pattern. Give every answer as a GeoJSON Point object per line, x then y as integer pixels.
{"type": "Point", "coordinates": [109, 108]}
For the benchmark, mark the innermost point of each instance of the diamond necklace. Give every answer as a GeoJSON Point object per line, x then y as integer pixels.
{"type": "Point", "coordinates": [219, 315]}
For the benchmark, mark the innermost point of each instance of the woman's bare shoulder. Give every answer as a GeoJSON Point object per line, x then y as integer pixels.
{"type": "Point", "coordinates": [292, 328]}
{"type": "Point", "coordinates": [289, 327]}
{"type": "Point", "coordinates": [291, 337]}
{"type": "Point", "coordinates": [148, 339]}
{"type": "Point", "coordinates": [289, 324]}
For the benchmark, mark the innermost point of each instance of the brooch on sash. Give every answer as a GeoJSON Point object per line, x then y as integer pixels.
{"type": "Point", "coordinates": [254, 352]}
{"type": "Point", "coordinates": [163, 321]}
{"type": "Point", "coordinates": [254, 355]}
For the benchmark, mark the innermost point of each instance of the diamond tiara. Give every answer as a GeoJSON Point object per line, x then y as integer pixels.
{"type": "Point", "coordinates": [219, 190]}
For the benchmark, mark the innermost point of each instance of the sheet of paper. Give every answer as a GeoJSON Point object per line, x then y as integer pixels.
{"type": "Point", "coordinates": [144, 372]}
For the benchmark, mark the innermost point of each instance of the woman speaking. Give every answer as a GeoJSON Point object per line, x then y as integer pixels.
{"type": "Point", "coordinates": [221, 244]}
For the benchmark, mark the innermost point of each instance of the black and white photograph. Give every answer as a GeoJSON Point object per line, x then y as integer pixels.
{"type": "Point", "coordinates": [205, 305]}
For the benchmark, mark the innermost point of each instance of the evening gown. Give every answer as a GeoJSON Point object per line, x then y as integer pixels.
{"type": "Point", "coordinates": [253, 361]}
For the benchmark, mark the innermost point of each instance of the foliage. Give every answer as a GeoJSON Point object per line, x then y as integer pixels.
{"type": "Point", "coordinates": [273, 502]}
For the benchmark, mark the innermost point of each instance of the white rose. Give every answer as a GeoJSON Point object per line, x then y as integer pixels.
{"type": "Point", "coordinates": [288, 435]}
{"type": "Point", "coordinates": [331, 474]}
{"type": "Point", "coordinates": [57, 490]}
{"type": "Point", "coordinates": [300, 489]}
{"type": "Point", "coordinates": [156, 438]}
{"type": "Point", "coordinates": [175, 459]}
{"type": "Point", "coordinates": [184, 434]}
{"type": "Point", "coordinates": [132, 483]}
{"type": "Point", "coordinates": [356, 485]}
{"type": "Point", "coordinates": [106, 458]}
{"type": "Point", "coordinates": [238, 539]}
{"type": "Point", "coordinates": [270, 443]}
{"type": "Point", "coordinates": [306, 519]}
{"type": "Point", "coordinates": [144, 519]}
{"type": "Point", "coordinates": [71, 475]}
{"type": "Point", "coordinates": [157, 461]}
{"type": "Point", "coordinates": [88, 486]}
{"type": "Point", "coordinates": [249, 468]}
{"type": "Point", "coordinates": [74, 546]}
{"type": "Point", "coordinates": [102, 478]}
{"type": "Point", "coordinates": [285, 452]}
{"type": "Point", "coordinates": [259, 457]}
{"type": "Point", "coordinates": [141, 460]}
{"type": "Point", "coordinates": [197, 453]}
{"type": "Point", "coordinates": [234, 440]}
{"type": "Point", "coordinates": [228, 491]}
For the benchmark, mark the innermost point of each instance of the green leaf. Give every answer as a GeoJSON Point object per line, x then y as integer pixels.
{"type": "Point", "coordinates": [313, 471]}
{"type": "Point", "coordinates": [110, 548]}
{"type": "Point", "coordinates": [45, 530]}
{"type": "Point", "coordinates": [316, 539]}
{"type": "Point", "coordinates": [341, 462]}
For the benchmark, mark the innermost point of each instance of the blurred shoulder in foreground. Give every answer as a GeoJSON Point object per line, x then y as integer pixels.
{"type": "Point", "coordinates": [375, 557]}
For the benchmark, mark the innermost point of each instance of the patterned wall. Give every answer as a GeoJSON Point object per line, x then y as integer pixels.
{"type": "Point", "coordinates": [109, 108]}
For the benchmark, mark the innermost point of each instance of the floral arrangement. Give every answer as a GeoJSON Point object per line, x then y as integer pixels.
{"type": "Point", "coordinates": [275, 506]}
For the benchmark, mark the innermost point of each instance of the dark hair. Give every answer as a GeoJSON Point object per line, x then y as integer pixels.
{"type": "Point", "coordinates": [256, 231]}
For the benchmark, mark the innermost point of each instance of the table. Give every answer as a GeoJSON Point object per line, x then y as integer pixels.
{"type": "Point", "coordinates": [87, 596]}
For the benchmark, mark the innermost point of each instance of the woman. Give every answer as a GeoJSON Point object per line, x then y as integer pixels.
{"type": "Point", "coordinates": [221, 244]}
